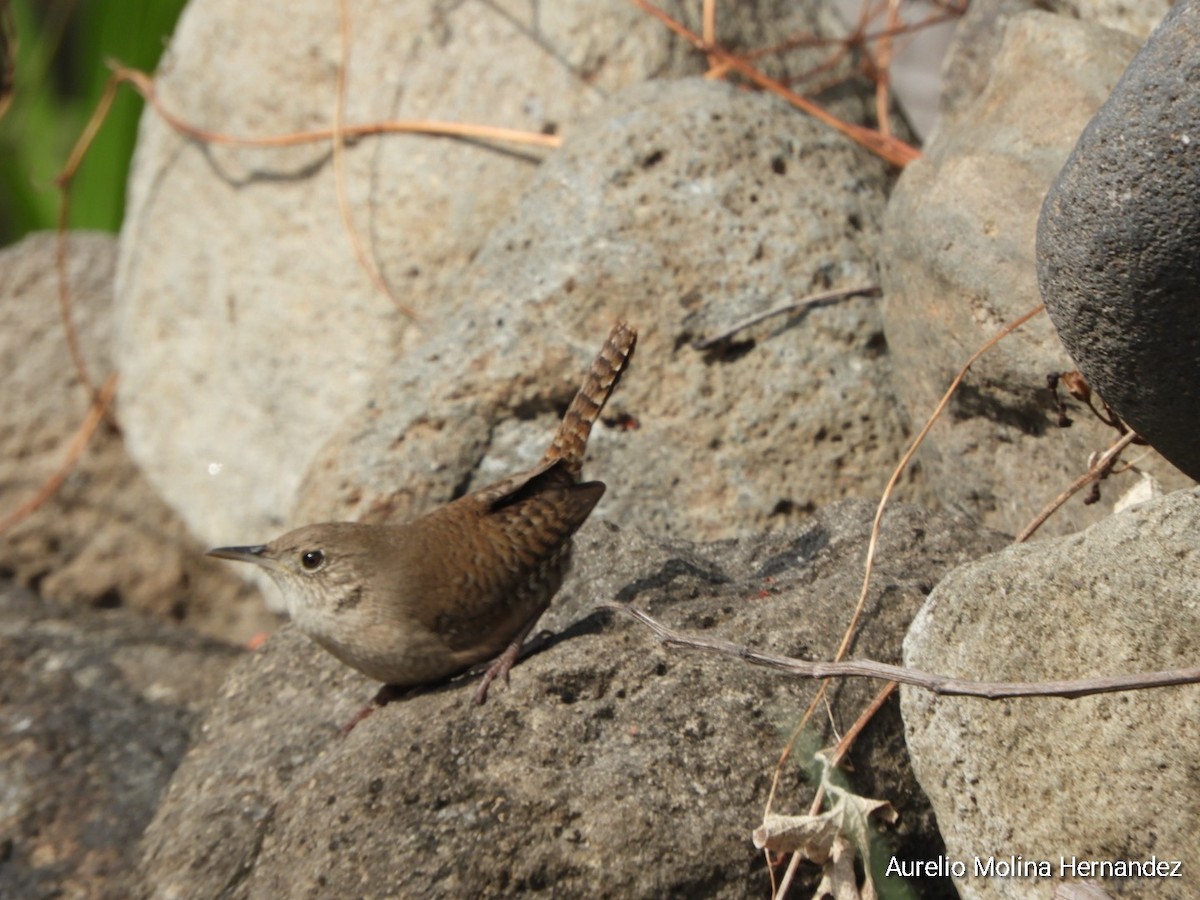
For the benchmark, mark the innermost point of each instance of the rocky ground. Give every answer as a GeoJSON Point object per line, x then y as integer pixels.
{"type": "Point", "coordinates": [264, 383]}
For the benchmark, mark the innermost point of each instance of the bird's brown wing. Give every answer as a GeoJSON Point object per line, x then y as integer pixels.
{"type": "Point", "coordinates": [504, 551]}
{"type": "Point", "coordinates": [497, 494]}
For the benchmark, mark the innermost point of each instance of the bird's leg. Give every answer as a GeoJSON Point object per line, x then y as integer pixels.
{"type": "Point", "coordinates": [385, 695]}
{"type": "Point", "coordinates": [503, 663]}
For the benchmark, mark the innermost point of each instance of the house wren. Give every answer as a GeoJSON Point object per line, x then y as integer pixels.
{"type": "Point", "coordinates": [414, 603]}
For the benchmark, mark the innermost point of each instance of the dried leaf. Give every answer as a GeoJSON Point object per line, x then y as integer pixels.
{"type": "Point", "coordinates": [815, 837]}
{"type": "Point", "coordinates": [838, 879]}
{"type": "Point", "coordinates": [810, 836]}
{"type": "Point", "coordinates": [1146, 488]}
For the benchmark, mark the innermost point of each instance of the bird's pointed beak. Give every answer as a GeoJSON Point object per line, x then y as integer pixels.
{"type": "Point", "coordinates": [254, 554]}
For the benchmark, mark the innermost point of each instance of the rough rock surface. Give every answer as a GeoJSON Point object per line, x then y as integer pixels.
{"type": "Point", "coordinates": [104, 538]}
{"type": "Point", "coordinates": [1138, 17]}
{"type": "Point", "coordinates": [958, 264]}
{"type": "Point", "coordinates": [249, 336]}
{"type": "Point", "coordinates": [246, 326]}
{"type": "Point", "coordinates": [609, 766]}
{"type": "Point", "coordinates": [1119, 243]}
{"type": "Point", "coordinates": [980, 31]}
{"type": "Point", "coordinates": [1106, 778]}
{"type": "Point", "coordinates": [683, 206]}
{"type": "Point", "coordinates": [95, 714]}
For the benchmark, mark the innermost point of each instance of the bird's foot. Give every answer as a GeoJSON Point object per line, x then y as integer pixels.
{"type": "Point", "coordinates": [499, 668]}
{"type": "Point", "coordinates": [503, 663]}
{"type": "Point", "coordinates": [386, 695]}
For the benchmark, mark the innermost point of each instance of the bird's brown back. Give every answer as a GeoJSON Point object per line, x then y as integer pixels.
{"type": "Point", "coordinates": [505, 548]}
{"type": "Point", "coordinates": [496, 566]}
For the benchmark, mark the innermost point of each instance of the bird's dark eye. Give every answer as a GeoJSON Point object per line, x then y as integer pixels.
{"type": "Point", "coordinates": [312, 560]}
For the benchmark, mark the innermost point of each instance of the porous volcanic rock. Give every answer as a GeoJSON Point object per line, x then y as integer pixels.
{"type": "Point", "coordinates": [1119, 244]}
{"type": "Point", "coordinates": [608, 767]}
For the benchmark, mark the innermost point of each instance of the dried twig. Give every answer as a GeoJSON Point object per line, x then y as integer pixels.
{"type": "Point", "coordinates": [891, 149]}
{"type": "Point", "coordinates": [859, 37]}
{"type": "Point", "coordinates": [883, 72]}
{"type": "Point", "coordinates": [366, 261]}
{"type": "Point", "coordinates": [785, 883]}
{"type": "Point", "coordinates": [938, 684]}
{"type": "Point", "coordinates": [1100, 469]}
{"type": "Point", "coordinates": [94, 417]}
{"type": "Point", "coordinates": [876, 704]}
{"type": "Point", "coordinates": [339, 133]}
{"type": "Point", "coordinates": [835, 758]}
{"type": "Point", "coordinates": [791, 306]}
{"type": "Point", "coordinates": [63, 182]}
{"type": "Point", "coordinates": [877, 523]}
{"type": "Point", "coordinates": [9, 48]}
{"type": "Point", "coordinates": [65, 309]}
{"type": "Point", "coordinates": [144, 85]}
{"type": "Point", "coordinates": [873, 543]}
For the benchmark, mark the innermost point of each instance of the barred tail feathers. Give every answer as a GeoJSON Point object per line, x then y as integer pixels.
{"type": "Point", "coordinates": [570, 441]}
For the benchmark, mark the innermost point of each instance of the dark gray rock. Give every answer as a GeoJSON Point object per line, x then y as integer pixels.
{"type": "Point", "coordinates": [1109, 777]}
{"type": "Point", "coordinates": [609, 766]}
{"type": "Point", "coordinates": [96, 710]}
{"type": "Point", "coordinates": [958, 264]}
{"type": "Point", "coordinates": [1119, 243]}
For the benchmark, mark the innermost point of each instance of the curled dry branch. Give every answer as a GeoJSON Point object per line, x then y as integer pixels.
{"type": "Point", "coordinates": [885, 146]}
{"type": "Point", "coordinates": [938, 684]}
{"type": "Point", "coordinates": [91, 422]}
